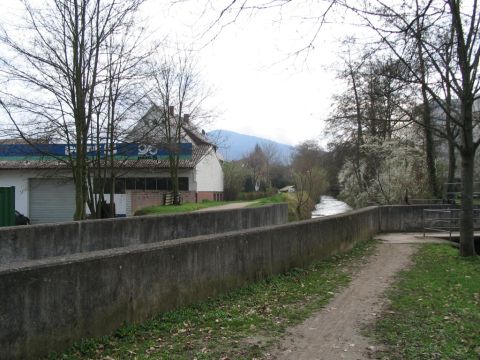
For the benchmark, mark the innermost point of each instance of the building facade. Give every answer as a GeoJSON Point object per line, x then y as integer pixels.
{"type": "Point", "coordinates": [44, 188]}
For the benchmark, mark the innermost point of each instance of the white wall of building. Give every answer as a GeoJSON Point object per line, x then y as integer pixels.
{"type": "Point", "coordinates": [19, 179]}
{"type": "Point", "coordinates": [209, 174]}
{"type": "Point", "coordinates": [120, 201]}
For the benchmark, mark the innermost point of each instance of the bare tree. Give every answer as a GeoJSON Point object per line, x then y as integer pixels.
{"type": "Point", "coordinates": [123, 99]}
{"type": "Point", "coordinates": [270, 150]}
{"type": "Point", "coordinates": [408, 26]}
{"type": "Point", "coordinates": [177, 94]}
{"type": "Point", "coordinates": [309, 177]}
{"type": "Point", "coordinates": [61, 64]}
{"type": "Point", "coordinates": [257, 161]}
{"type": "Point", "coordinates": [399, 29]}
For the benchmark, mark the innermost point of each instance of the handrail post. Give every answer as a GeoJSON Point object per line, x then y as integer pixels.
{"type": "Point", "coordinates": [423, 221]}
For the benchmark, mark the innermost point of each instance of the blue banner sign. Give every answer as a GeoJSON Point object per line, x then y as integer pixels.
{"type": "Point", "coordinates": [121, 151]}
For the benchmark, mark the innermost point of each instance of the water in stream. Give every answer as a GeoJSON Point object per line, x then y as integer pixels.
{"type": "Point", "coordinates": [328, 205]}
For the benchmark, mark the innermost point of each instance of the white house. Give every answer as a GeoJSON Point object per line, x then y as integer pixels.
{"type": "Point", "coordinates": [44, 188]}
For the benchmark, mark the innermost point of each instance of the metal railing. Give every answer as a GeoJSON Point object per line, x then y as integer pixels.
{"type": "Point", "coordinates": [446, 220]}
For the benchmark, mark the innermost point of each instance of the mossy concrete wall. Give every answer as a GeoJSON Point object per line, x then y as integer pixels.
{"type": "Point", "coordinates": [47, 304]}
{"type": "Point", "coordinates": [48, 240]}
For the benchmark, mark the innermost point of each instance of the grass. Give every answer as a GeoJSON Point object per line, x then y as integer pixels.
{"type": "Point", "coordinates": [291, 200]}
{"type": "Point", "coordinates": [435, 308]}
{"type": "Point", "coordinates": [186, 207]}
{"type": "Point", "coordinates": [242, 324]}
{"type": "Point", "coordinates": [274, 199]}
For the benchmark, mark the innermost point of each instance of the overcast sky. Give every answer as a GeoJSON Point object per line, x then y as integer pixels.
{"type": "Point", "coordinates": [260, 88]}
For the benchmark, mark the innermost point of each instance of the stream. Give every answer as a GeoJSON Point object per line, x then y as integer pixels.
{"type": "Point", "coordinates": [328, 205]}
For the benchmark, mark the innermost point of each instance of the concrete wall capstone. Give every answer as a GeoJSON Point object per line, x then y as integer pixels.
{"type": "Point", "coordinates": [48, 240]}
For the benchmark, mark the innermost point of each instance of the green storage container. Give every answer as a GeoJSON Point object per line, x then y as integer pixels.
{"type": "Point", "coordinates": [7, 206]}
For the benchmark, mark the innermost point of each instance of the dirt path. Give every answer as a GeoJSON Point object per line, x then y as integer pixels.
{"type": "Point", "coordinates": [334, 332]}
{"type": "Point", "coordinates": [237, 205]}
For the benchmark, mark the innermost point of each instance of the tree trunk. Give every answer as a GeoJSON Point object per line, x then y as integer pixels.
{"type": "Point", "coordinates": [430, 156]}
{"type": "Point", "coordinates": [468, 148]}
{"type": "Point", "coordinates": [428, 133]}
{"type": "Point", "coordinates": [79, 199]}
{"type": "Point", "coordinates": [467, 244]}
{"type": "Point", "coordinates": [359, 139]}
{"type": "Point", "coordinates": [174, 176]}
{"type": "Point", "coordinates": [426, 114]}
{"type": "Point", "coordinates": [467, 241]}
{"type": "Point", "coordinates": [450, 125]}
{"type": "Point", "coordinates": [452, 162]}
{"type": "Point", "coordinates": [80, 186]}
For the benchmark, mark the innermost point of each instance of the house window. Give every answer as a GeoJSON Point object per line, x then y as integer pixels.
{"type": "Point", "coordinates": [130, 183]}
{"type": "Point", "coordinates": [183, 183]}
{"type": "Point", "coordinates": [162, 184]}
{"type": "Point", "coordinates": [139, 183]}
{"type": "Point", "coordinates": [107, 186]}
{"type": "Point", "coordinates": [151, 184]}
{"type": "Point", "coordinates": [119, 186]}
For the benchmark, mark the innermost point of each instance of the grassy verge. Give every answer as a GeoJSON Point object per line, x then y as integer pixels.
{"type": "Point", "coordinates": [274, 199]}
{"type": "Point", "coordinates": [435, 308]}
{"type": "Point", "coordinates": [187, 207]}
{"type": "Point", "coordinates": [242, 324]}
{"type": "Point", "coordinates": [291, 200]}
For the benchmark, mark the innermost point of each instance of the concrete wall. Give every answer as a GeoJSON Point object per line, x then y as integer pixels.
{"type": "Point", "coordinates": [48, 304]}
{"type": "Point", "coordinates": [47, 240]}
{"type": "Point", "coordinates": [399, 218]}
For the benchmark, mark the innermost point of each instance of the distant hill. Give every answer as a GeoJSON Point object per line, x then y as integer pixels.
{"type": "Point", "coordinates": [234, 146]}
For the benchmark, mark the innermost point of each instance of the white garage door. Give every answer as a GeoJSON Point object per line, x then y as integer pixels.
{"type": "Point", "coordinates": [51, 200]}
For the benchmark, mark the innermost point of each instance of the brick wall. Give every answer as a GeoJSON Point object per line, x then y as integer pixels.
{"type": "Point", "coordinates": [209, 195]}
{"type": "Point", "coordinates": [141, 199]}
{"type": "Point", "coordinates": [188, 196]}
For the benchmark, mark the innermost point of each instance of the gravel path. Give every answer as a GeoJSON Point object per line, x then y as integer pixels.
{"type": "Point", "coordinates": [335, 332]}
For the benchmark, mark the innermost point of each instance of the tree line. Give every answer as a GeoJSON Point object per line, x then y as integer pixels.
{"type": "Point", "coordinates": [262, 172]}
{"type": "Point", "coordinates": [423, 56]}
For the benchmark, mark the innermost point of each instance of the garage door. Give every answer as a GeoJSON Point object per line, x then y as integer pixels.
{"type": "Point", "coordinates": [51, 200]}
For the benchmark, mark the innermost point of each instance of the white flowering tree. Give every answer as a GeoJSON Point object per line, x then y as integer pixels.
{"type": "Point", "coordinates": [393, 171]}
